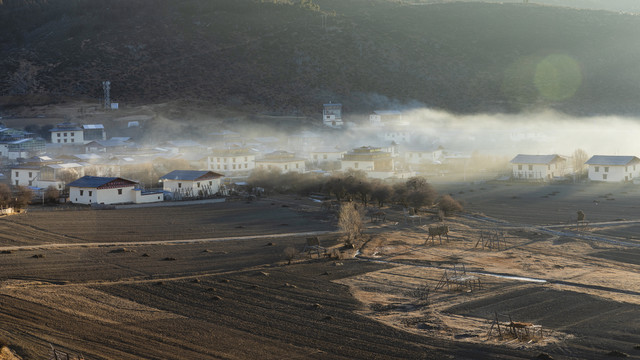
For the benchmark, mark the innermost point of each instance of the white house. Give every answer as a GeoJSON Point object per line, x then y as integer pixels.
{"type": "Point", "coordinates": [383, 117]}
{"type": "Point", "coordinates": [332, 115]}
{"type": "Point", "coordinates": [191, 183]}
{"type": "Point", "coordinates": [375, 162]}
{"type": "Point", "coordinates": [538, 167]}
{"type": "Point", "coordinates": [283, 160]}
{"type": "Point", "coordinates": [67, 134]}
{"type": "Point", "coordinates": [25, 175]}
{"type": "Point", "coordinates": [109, 190]}
{"type": "Point", "coordinates": [422, 156]}
{"type": "Point", "coordinates": [613, 168]}
{"type": "Point", "coordinates": [232, 162]}
{"type": "Point", "coordinates": [326, 154]}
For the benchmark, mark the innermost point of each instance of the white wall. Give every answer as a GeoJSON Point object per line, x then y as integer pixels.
{"type": "Point", "coordinates": [67, 137]}
{"type": "Point", "coordinates": [357, 165]}
{"type": "Point", "coordinates": [613, 173]}
{"type": "Point", "coordinates": [191, 188]}
{"type": "Point", "coordinates": [25, 177]}
{"type": "Point", "coordinates": [102, 196]}
{"type": "Point", "coordinates": [537, 171]}
{"type": "Point", "coordinates": [230, 164]}
{"type": "Point", "coordinates": [289, 166]}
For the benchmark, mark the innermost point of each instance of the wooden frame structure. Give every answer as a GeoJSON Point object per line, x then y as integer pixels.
{"type": "Point", "coordinates": [313, 245]}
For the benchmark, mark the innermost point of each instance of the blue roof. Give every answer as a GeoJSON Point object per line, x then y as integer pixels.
{"type": "Point", "coordinates": [190, 175]}
{"type": "Point", "coordinates": [95, 181]}
{"type": "Point", "coordinates": [535, 159]}
{"type": "Point", "coordinates": [612, 160]}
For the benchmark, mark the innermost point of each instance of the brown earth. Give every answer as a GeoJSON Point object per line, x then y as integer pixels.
{"type": "Point", "coordinates": [101, 283]}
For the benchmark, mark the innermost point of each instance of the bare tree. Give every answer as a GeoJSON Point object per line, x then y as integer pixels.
{"type": "Point", "coordinates": [22, 197]}
{"type": "Point", "coordinates": [579, 158]}
{"type": "Point", "coordinates": [350, 221]}
{"type": "Point", "coordinates": [51, 195]}
{"type": "Point", "coordinates": [449, 205]}
{"type": "Point", "coordinates": [5, 195]}
{"type": "Point", "coordinates": [290, 253]}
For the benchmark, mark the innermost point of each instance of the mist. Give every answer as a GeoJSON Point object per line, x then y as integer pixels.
{"type": "Point", "coordinates": [544, 132]}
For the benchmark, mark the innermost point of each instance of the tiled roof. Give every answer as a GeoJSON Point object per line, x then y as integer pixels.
{"type": "Point", "coordinates": [534, 159]}
{"type": "Point", "coordinates": [190, 175]}
{"type": "Point", "coordinates": [96, 181]}
{"type": "Point", "coordinates": [612, 160]}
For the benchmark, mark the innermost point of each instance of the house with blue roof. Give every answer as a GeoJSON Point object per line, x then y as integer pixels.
{"type": "Point", "coordinates": [613, 168]}
{"type": "Point", "coordinates": [538, 167]}
{"type": "Point", "coordinates": [185, 184]}
{"type": "Point", "coordinates": [109, 190]}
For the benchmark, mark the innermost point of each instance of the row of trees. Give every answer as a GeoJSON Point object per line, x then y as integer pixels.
{"type": "Point", "coordinates": [354, 185]}
{"type": "Point", "coordinates": [17, 199]}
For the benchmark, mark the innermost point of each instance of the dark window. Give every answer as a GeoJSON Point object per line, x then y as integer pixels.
{"type": "Point", "coordinates": [119, 191]}
{"type": "Point", "coordinates": [81, 192]}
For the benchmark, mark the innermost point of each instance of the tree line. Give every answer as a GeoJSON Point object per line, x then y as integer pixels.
{"type": "Point", "coordinates": [354, 186]}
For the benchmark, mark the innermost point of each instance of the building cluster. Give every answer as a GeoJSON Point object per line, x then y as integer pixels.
{"type": "Point", "coordinates": [91, 168]}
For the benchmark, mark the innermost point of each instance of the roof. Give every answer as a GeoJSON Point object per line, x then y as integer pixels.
{"type": "Point", "coordinates": [612, 160]}
{"type": "Point", "coordinates": [93, 126]}
{"type": "Point", "coordinates": [191, 175]}
{"type": "Point", "coordinates": [387, 112]}
{"type": "Point", "coordinates": [98, 181]}
{"type": "Point", "coordinates": [535, 159]}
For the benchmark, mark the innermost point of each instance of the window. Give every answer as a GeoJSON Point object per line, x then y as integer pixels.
{"type": "Point", "coordinates": [58, 134]}
{"type": "Point", "coordinates": [519, 167]}
{"type": "Point", "coordinates": [246, 166]}
{"type": "Point", "coordinates": [218, 167]}
{"type": "Point", "coordinates": [65, 134]}
{"type": "Point", "coordinates": [606, 169]}
{"type": "Point", "coordinates": [72, 134]}
{"type": "Point", "coordinates": [210, 182]}
{"type": "Point", "coordinates": [324, 156]}
{"type": "Point", "coordinates": [225, 167]}
{"type": "Point", "coordinates": [90, 193]}
{"type": "Point", "coordinates": [72, 140]}
{"type": "Point", "coordinates": [58, 139]}
{"type": "Point", "coordinates": [81, 192]}
{"type": "Point", "coordinates": [119, 191]}
{"type": "Point", "coordinates": [297, 166]}
{"type": "Point", "coordinates": [596, 169]}
{"type": "Point", "coordinates": [286, 167]}
{"type": "Point", "coordinates": [234, 166]}
{"type": "Point", "coordinates": [530, 167]}
{"type": "Point", "coordinates": [604, 176]}
{"type": "Point", "coordinates": [17, 183]}
{"type": "Point", "coordinates": [179, 185]}
{"type": "Point", "coordinates": [626, 168]}
{"type": "Point", "coordinates": [30, 182]}
{"type": "Point", "coordinates": [315, 156]}
{"type": "Point", "coordinates": [17, 174]}
{"type": "Point", "coordinates": [65, 140]}
{"type": "Point", "coordinates": [198, 184]}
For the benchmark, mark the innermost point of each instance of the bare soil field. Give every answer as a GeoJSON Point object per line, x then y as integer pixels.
{"type": "Point", "coordinates": [211, 281]}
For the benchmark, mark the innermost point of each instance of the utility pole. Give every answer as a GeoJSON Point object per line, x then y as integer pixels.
{"type": "Point", "coordinates": [106, 87]}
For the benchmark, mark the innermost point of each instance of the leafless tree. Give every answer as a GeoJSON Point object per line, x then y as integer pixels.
{"type": "Point", "coordinates": [579, 158]}
{"type": "Point", "coordinates": [350, 221]}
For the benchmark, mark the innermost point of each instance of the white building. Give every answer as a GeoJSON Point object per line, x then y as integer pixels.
{"type": "Point", "coordinates": [422, 156]}
{"type": "Point", "coordinates": [282, 160]}
{"type": "Point", "coordinates": [326, 154]}
{"type": "Point", "coordinates": [67, 134]}
{"type": "Point", "coordinates": [93, 132]}
{"type": "Point", "coordinates": [613, 168]}
{"type": "Point", "coordinates": [332, 115]}
{"type": "Point", "coordinates": [385, 117]}
{"type": "Point", "coordinates": [538, 167]}
{"type": "Point", "coordinates": [191, 183]}
{"type": "Point", "coordinates": [25, 175]}
{"type": "Point", "coordinates": [234, 161]}
{"type": "Point", "coordinates": [109, 190]}
{"type": "Point", "coordinates": [375, 162]}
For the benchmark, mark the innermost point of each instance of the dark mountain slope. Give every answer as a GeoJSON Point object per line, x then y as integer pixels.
{"type": "Point", "coordinates": [290, 57]}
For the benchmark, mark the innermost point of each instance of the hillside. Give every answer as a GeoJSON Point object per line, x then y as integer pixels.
{"type": "Point", "coordinates": [287, 57]}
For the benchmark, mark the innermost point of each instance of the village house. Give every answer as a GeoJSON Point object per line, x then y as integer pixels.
{"type": "Point", "coordinates": [25, 175]}
{"type": "Point", "coordinates": [538, 167]}
{"type": "Point", "coordinates": [419, 156]}
{"type": "Point", "coordinates": [282, 160]}
{"type": "Point", "coordinates": [109, 190]}
{"type": "Point", "coordinates": [325, 154]}
{"type": "Point", "coordinates": [613, 168]}
{"type": "Point", "coordinates": [234, 161]}
{"type": "Point", "coordinates": [191, 183]}
{"type": "Point", "coordinates": [93, 132]}
{"type": "Point", "coordinates": [385, 117]}
{"type": "Point", "coordinates": [67, 133]}
{"type": "Point", "coordinates": [372, 160]}
{"type": "Point", "coordinates": [106, 146]}
{"type": "Point", "coordinates": [332, 115]}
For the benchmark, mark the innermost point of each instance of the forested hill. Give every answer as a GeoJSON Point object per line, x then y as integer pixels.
{"type": "Point", "coordinates": [291, 56]}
